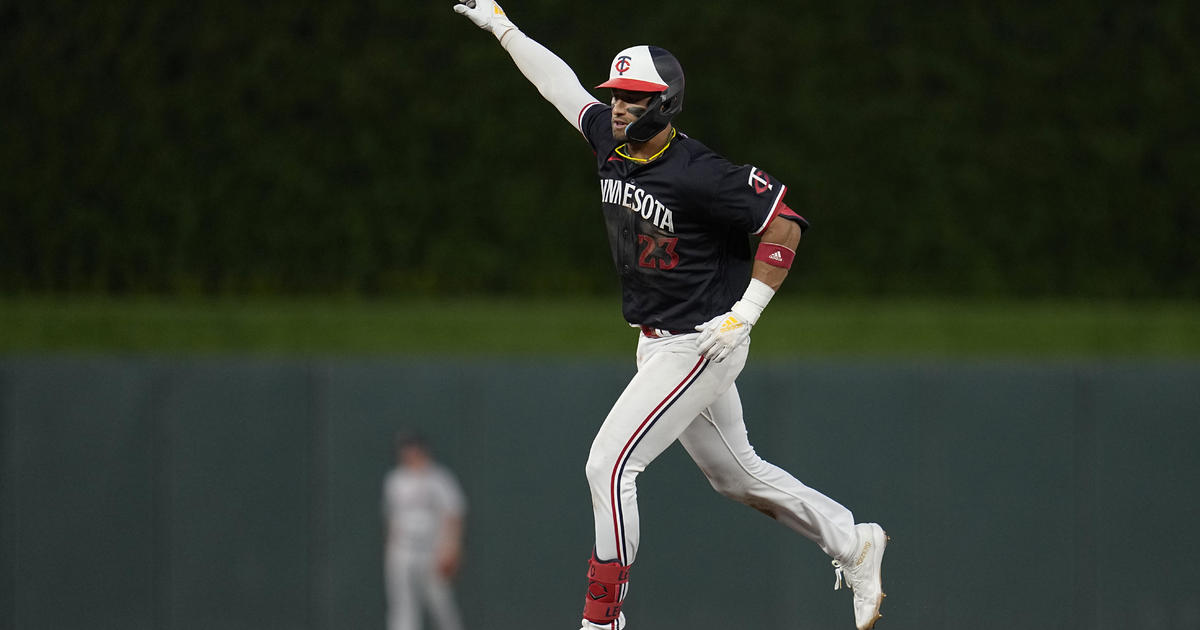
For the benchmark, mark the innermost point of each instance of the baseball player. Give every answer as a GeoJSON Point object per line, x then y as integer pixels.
{"type": "Point", "coordinates": [423, 510]}
{"type": "Point", "coordinates": [680, 219]}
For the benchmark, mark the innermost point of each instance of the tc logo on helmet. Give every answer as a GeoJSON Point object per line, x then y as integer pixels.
{"type": "Point", "coordinates": [623, 64]}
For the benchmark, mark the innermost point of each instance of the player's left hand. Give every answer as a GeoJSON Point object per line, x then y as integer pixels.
{"type": "Point", "coordinates": [721, 335]}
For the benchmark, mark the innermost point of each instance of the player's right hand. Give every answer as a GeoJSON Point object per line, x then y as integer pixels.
{"type": "Point", "coordinates": [448, 563]}
{"type": "Point", "coordinates": [486, 14]}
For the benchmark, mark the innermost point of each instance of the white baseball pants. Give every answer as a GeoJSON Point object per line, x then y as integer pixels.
{"type": "Point", "coordinates": [678, 395]}
{"type": "Point", "coordinates": [415, 584]}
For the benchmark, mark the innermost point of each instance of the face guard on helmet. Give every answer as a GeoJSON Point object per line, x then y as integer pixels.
{"type": "Point", "coordinates": [648, 69]}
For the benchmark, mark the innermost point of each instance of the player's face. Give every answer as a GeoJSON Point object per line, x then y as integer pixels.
{"type": "Point", "coordinates": [413, 456]}
{"type": "Point", "coordinates": [627, 107]}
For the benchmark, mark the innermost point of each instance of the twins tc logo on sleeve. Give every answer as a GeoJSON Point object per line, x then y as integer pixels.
{"type": "Point", "coordinates": [759, 181]}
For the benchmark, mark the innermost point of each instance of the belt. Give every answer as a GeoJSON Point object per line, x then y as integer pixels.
{"type": "Point", "coordinates": [659, 333]}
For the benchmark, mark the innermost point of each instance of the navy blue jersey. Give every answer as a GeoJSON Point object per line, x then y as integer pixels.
{"type": "Point", "coordinates": [679, 226]}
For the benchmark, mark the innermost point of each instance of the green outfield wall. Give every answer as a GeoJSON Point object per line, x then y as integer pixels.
{"type": "Point", "coordinates": [237, 494]}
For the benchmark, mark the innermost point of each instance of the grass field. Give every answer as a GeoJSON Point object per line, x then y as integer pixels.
{"type": "Point", "coordinates": [593, 327]}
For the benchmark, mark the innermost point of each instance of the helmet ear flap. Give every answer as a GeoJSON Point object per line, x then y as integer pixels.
{"type": "Point", "coordinates": [653, 121]}
{"type": "Point", "coordinates": [672, 105]}
{"type": "Point", "coordinates": [647, 125]}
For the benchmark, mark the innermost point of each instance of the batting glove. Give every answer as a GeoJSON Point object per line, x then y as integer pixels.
{"type": "Point", "coordinates": [487, 15]}
{"type": "Point", "coordinates": [721, 335]}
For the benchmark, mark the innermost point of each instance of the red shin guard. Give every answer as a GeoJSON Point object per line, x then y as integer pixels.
{"type": "Point", "coordinates": [603, 602]}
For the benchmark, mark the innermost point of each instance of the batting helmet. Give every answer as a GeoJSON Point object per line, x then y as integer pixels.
{"type": "Point", "coordinates": [648, 69]}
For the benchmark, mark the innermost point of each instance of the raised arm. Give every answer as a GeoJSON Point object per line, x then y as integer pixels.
{"type": "Point", "coordinates": [552, 77]}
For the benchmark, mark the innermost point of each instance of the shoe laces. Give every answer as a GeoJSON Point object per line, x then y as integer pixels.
{"type": "Point", "coordinates": [837, 574]}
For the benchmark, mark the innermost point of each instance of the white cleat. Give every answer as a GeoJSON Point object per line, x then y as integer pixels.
{"type": "Point", "coordinates": [864, 574]}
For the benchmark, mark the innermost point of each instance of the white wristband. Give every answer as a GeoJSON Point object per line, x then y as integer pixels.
{"type": "Point", "coordinates": [753, 301]}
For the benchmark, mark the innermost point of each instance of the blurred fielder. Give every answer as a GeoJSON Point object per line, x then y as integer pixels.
{"type": "Point", "coordinates": [680, 220]}
{"type": "Point", "coordinates": [423, 510]}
